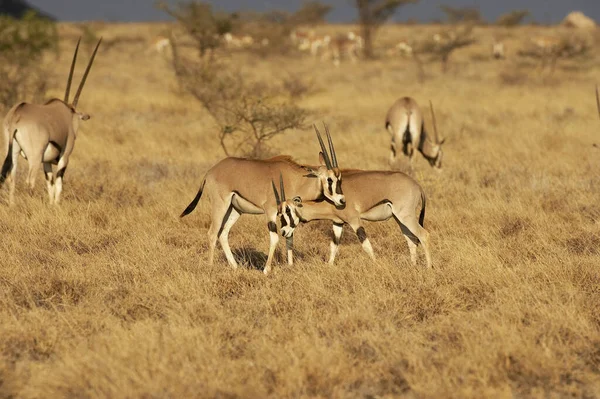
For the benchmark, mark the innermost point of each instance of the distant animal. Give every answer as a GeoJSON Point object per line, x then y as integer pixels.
{"type": "Point", "coordinates": [345, 46]}
{"type": "Point", "coordinates": [404, 121]}
{"type": "Point", "coordinates": [498, 50]}
{"type": "Point", "coordinates": [370, 195]}
{"type": "Point", "coordinates": [236, 186]}
{"type": "Point", "coordinates": [161, 44]}
{"type": "Point", "coordinates": [238, 42]}
{"type": "Point", "coordinates": [44, 134]}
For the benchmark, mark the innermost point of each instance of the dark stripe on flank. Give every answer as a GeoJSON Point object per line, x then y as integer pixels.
{"type": "Point", "coordinates": [362, 234]}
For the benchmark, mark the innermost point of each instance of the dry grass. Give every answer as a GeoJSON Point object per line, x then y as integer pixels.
{"type": "Point", "coordinates": [110, 295]}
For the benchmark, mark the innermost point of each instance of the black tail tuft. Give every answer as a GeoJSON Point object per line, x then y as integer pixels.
{"type": "Point", "coordinates": [7, 165]}
{"type": "Point", "coordinates": [194, 202]}
{"type": "Point", "coordinates": [422, 215]}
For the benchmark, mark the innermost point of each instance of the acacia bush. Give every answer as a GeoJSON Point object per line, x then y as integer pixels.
{"type": "Point", "coordinates": [248, 113]}
{"type": "Point", "coordinates": [23, 43]}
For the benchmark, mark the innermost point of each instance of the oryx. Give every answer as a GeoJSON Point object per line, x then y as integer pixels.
{"type": "Point", "coordinates": [370, 195]}
{"type": "Point", "coordinates": [405, 123]}
{"type": "Point", "coordinates": [237, 185]}
{"type": "Point", "coordinates": [44, 134]}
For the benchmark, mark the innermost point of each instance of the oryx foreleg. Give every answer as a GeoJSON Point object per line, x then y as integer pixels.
{"type": "Point", "coordinates": [273, 240]}
{"type": "Point", "coordinates": [49, 181]}
{"type": "Point", "coordinates": [362, 237]}
{"type": "Point", "coordinates": [335, 241]}
{"type": "Point", "coordinates": [289, 245]}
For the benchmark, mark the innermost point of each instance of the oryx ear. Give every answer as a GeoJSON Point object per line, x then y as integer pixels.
{"type": "Point", "coordinates": [322, 159]}
{"type": "Point", "coordinates": [297, 201]}
{"type": "Point", "coordinates": [311, 172]}
{"type": "Point", "coordinates": [443, 141]}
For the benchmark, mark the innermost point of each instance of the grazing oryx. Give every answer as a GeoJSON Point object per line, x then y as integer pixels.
{"type": "Point", "coordinates": [371, 195]}
{"type": "Point", "coordinates": [405, 123]}
{"type": "Point", "coordinates": [237, 185]}
{"type": "Point", "coordinates": [44, 134]}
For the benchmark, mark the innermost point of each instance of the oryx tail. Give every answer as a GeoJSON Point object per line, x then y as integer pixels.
{"type": "Point", "coordinates": [8, 161]}
{"type": "Point", "coordinates": [195, 201]}
{"type": "Point", "coordinates": [422, 214]}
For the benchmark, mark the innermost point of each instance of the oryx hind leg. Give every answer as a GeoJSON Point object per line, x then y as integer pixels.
{"type": "Point", "coordinates": [49, 181]}
{"type": "Point", "coordinates": [60, 173]}
{"type": "Point", "coordinates": [13, 172]}
{"type": "Point", "coordinates": [414, 232]}
{"type": "Point", "coordinates": [34, 159]}
{"type": "Point", "coordinates": [219, 212]}
{"type": "Point", "coordinates": [231, 216]}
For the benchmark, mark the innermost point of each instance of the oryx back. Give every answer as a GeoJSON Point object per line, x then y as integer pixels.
{"type": "Point", "coordinates": [404, 121]}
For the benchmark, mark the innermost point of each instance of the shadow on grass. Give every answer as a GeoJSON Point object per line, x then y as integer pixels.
{"type": "Point", "coordinates": [253, 259]}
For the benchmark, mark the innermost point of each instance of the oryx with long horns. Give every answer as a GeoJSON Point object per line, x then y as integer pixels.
{"type": "Point", "coordinates": [372, 196]}
{"type": "Point", "coordinates": [406, 125]}
{"type": "Point", "coordinates": [44, 134]}
{"type": "Point", "coordinates": [237, 185]}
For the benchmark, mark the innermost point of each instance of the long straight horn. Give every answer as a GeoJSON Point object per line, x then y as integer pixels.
{"type": "Point", "coordinates": [331, 149]}
{"type": "Point", "coordinates": [281, 189]}
{"type": "Point", "coordinates": [598, 100]}
{"type": "Point", "coordinates": [435, 130]}
{"type": "Point", "coordinates": [85, 75]}
{"type": "Point", "coordinates": [323, 149]}
{"type": "Point", "coordinates": [275, 192]}
{"type": "Point", "coordinates": [70, 78]}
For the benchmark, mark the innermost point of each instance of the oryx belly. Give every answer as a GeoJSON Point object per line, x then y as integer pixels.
{"type": "Point", "coordinates": [242, 205]}
{"type": "Point", "coordinates": [379, 212]}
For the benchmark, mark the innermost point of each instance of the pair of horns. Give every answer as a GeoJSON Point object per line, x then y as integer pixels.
{"type": "Point", "coordinates": [330, 162]}
{"type": "Point", "coordinates": [435, 129]}
{"type": "Point", "coordinates": [282, 199]}
{"type": "Point", "coordinates": [85, 75]}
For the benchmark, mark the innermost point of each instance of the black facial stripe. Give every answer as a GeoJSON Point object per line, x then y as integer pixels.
{"type": "Point", "coordinates": [362, 234]}
{"type": "Point", "coordinates": [272, 227]}
{"type": "Point", "coordinates": [289, 213]}
{"type": "Point", "coordinates": [330, 186]}
{"type": "Point", "coordinates": [338, 187]}
{"type": "Point", "coordinates": [283, 222]}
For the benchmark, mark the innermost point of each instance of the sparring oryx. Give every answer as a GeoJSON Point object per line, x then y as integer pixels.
{"type": "Point", "coordinates": [44, 134]}
{"type": "Point", "coordinates": [236, 185]}
{"type": "Point", "coordinates": [370, 195]}
{"type": "Point", "coordinates": [405, 123]}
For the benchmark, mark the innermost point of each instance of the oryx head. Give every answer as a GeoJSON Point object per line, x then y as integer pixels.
{"type": "Point", "coordinates": [328, 173]}
{"type": "Point", "coordinates": [286, 209]}
{"type": "Point", "coordinates": [435, 158]}
{"type": "Point", "coordinates": [78, 115]}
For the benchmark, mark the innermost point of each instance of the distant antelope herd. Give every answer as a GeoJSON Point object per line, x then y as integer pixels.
{"type": "Point", "coordinates": [45, 134]}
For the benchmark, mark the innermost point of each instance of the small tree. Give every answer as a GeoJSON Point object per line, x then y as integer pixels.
{"type": "Point", "coordinates": [373, 13]}
{"type": "Point", "coordinates": [248, 113]}
{"type": "Point", "coordinates": [513, 18]}
{"type": "Point", "coordinates": [441, 46]}
{"type": "Point", "coordinates": [200, 21]}
{"type": "Point", "coordinates": [22, 45]}
{"type": "Point", "coordinates": [456, 15]}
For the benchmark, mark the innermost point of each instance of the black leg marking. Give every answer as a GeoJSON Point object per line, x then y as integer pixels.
{"type": "Point", "coordinates": [272, 227]}
{"type": "Point", "coordinates": [362, 234]}
{"type": "Point", "coordinates": [225, 219]}
{"type": "Point", "coordinates": [406, 231]}
{"type": "Point", "coordinates": [61, 173]}
{"type": "Point", "coordinates": [336, 239]}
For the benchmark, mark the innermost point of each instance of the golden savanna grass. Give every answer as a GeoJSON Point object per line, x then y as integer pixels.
{"type": "Point", "coordinates": [110, 295]}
